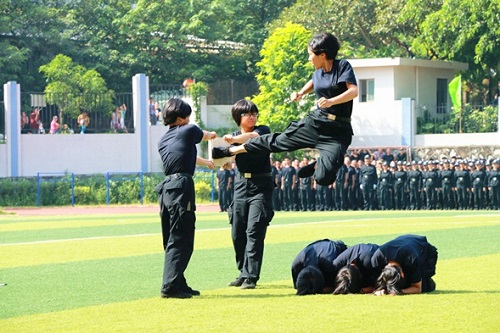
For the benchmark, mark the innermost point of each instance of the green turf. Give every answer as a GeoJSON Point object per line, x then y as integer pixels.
{"type": "Point", "coordinates": [118, 289]}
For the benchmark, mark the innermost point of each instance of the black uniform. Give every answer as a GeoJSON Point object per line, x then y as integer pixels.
{"type": "Point", "coordinates": [368, 182]}
{"type": "Point", "coordinates": [431, 183]}
{"type": "Point", "coordinates": [494, 187]}
{"type": "Point", "coordinates": [328, 130]}
{"type": "Point", "coordinates": [478, 177]}
{"type": "Point", "coordinates": [363, 256]}
{"type": "Point", "coordinates": [385, 189]}
{"type": "Point", "coordinates": [251, 210]}
{"type": "Point", "coordinates": [277, 193]}
{"type": "Point", "coordinates": [447, 184]}
{"type": "Point", "coordinates": [417, 259]}
{"type": "Point", "coordinates": [415, 187]}
{"type": "Point", "coordinates": [224, 178]}
{"type": "Point", "coordinates": [320, 254]}
{"type": "Point", "coordinates": [462, 179]}
{"type": "Point", "coordinates": [400, 181]}
{"type": "Point", "coordinates": [287, 174]}
{"type": "Point", "coordinates": [177, 149]}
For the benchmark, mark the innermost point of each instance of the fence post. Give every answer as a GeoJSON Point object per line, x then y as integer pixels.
{"type": "Point", "coordinates": [142, 187]}
{"type": "Point", "coordinates": [408, 122]}
{"type": "Point", "coordinates": [140, 90]}
{"type": "Point", "coordinates": [38, 189]}
{"type": "Point", "coordinates": [498, 114]}
{"type": "Point", "coordinates": [72, 189]}
{"type": "Point", "coordinates": [107, 188]}
{"type": "Point", "coordinates": [12, 98]}
{"type": "Point", "coordinates": [213, 185]}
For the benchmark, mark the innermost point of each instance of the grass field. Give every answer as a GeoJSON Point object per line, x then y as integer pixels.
{"type": "Point", "coordinates": [102, 273]}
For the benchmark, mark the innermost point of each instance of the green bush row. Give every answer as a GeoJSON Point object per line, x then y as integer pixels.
{"type": "Point", "coordinates": [91, 190]}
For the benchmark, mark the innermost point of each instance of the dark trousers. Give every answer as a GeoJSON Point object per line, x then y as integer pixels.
{"type": "Point", "coordinates": [368, 197]}
{"type": "Point", "coordinates": [249, 215]}
{"type": "Point", "coordinates": [314, 131]}
{"type": "Point", "coordinates": [414, 198]}
{"type": "Point", "coordinates": [288, 197]}
{"type": "Point", "coordinates": [478, 196]}
{"type": "Point", "coordinates": [431, 195]}
{"type": "Point", "coordinates": [399, 196]}
{"type": "Point", "coordinates": [462, 197]}
{"type": "Point", "coordinates": [448, 202]}
{"type": "Point", "coordinates": [177, 226]}
{"type": "Point", "coordinates": [224, 198]}
{"type": "Point", "coordinates": [494, 192]}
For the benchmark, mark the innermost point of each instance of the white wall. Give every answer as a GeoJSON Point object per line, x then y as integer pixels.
{"type": "Point", "coordinates": [377, 124]}
{"type": "Point", "coordinates": [219, 116]}
{"type": "Point", "coordinates": [80, 154]}
{"type": "Point", "coordinates": [457, 140]}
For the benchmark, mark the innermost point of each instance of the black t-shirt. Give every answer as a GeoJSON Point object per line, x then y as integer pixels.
{"type": "Point", "coordinates": [364, 257]}
{"type": "Point", "coordinates": [177, 149]}
{"type": "Point", "coordinates": [407, 251]}
{"type": "Point", "coordinates": [254, 163]}
{"type": "Point", "coordinates": [334, 83]}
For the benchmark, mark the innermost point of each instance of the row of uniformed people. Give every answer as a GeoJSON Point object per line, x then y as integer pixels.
{"type": "Point", "coordinates": [370, 185]}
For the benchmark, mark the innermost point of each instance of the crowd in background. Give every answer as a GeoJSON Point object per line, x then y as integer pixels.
{"type": "Point", "coordinates": [381, 180]}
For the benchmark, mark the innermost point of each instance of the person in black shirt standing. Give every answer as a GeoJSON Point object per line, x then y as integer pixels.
{"type": "Point", "coordinates": [328, 128]}
{"type": "Point", "coordinates": [252, 208]}
{"type": "Point", "coordinates": [447, 184]}
{"type": "Point", "coordinates": [462, 179]}
{"type": "Point", "coordinates": [400, 181]}
{"type": "Point", "coordinates": [478, 177]}
{"type": "Point", "coordinates": [177, 150]}
{"type": "Point", "coordinates": [494, 184]}
{"type": "Point", "coordinates": [415, 186]}
{"type": "Point", "coordinates": [368, 183]}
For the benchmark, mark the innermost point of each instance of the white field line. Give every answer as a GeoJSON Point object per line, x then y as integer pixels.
{"type": "Point", "coordinates": [293, 225]}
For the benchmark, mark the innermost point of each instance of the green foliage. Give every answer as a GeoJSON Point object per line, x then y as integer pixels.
{"type": "Point", "coordinates": [469, 119]}
{"type": "Point", "coordinates": [197, 90]}
{"type": "Point", "coordinates": [91, 190]}
{"type": "Point", "coordinates": [73, 88]}
{"type": "Point", "coordinates": [283, 70]}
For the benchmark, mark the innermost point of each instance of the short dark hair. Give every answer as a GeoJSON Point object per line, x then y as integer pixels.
{"type": "Point", "coordinates": [391, 280]}
{"type": "Point", "coordinates": [348, 280]}
{"type": "Point", "coordinates": [173, 108]}
{"type": "Point", "coordinates": [310, 280]}
{"type": "Point", "coordinates": [240, 107]}
{"type": "Point", "coordinates": [325, 43]}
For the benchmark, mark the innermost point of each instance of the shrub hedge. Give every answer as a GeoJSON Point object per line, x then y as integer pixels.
{"type": "Point", "coordinates": [91, 190]}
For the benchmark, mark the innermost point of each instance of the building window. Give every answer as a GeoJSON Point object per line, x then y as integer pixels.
{"type": "Point", "coordinates": [442, 96]}
{"type": "Point", "coordinates": [366, 90]}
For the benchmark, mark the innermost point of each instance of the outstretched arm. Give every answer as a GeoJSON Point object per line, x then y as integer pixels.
{"type": "Point", "coordinates": [209, 135]}
{"type": "Point", "coordinates": [204, 162]}
{"type": "Point", "coordinates": [307, 88]}
{"type": "Point", "coordinates": [242, 138]}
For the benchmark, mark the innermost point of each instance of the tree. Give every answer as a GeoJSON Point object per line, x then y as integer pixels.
{"type": "Point", "coordinates": [73, 88]}
{"type": "Point", "coordinates": [466, 31]}
{"type": "Point", "coordinates": [282, 70]}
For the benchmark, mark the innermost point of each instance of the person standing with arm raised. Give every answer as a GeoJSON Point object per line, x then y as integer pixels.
{"type": "Point", "coordinates": [177, 149]}
{"type": "Point", "coordinates": [252, 208]}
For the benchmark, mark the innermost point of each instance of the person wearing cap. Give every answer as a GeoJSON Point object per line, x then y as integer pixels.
{"type": "Point", "coordinates": [252, 208]}
{"type": "Point", "coordinates": [411, 264]}
{"type": "Point", "coordinates": [313, 271]}
{"type": "Point", "coordinates": [400, 181]}
{"type": "Point", "coordinates": [327, 128]}
{"type": "Point", "coordinates": [447, 176]}
{"type": "Point", "coordinates": [431, 182]}
{"type": "Point", "coordinates": [357, 269]}
{"type": "Point", "coordinates": [494, 184]}
{"type": "Point", "coordinates": [385, 187]}
{"type": "Point", "coordinates": [462, 180]}
{"type": "Point", "coordinates": [401, 156]}
{"type": "Point", "coordinates": [478, 177]}
{"type": "Point", "coordinates": [368, 184]}
{"type": "Point", "coordinates": [415, 186]}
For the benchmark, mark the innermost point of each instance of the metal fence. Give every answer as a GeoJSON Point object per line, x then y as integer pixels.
{"type": "Point", "coordinates": [2, 122]}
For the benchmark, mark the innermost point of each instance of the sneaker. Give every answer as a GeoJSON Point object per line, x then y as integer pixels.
{"type": "Point", "coordinates": [248, 284]}
{"type": "Point", "coordinates": [307, 171]}
{"type": "Point", "coordinates": [236, 283]}
{"type": "Point", "coordinates": [220, 152]}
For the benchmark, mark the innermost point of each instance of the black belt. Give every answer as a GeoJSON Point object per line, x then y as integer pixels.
{"type": "Point", "coordinates": [254, 175]}
{"type": "Point", "coordinates": [334, 117]}
{"type": "Point", "coordinates": [180, 174]}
